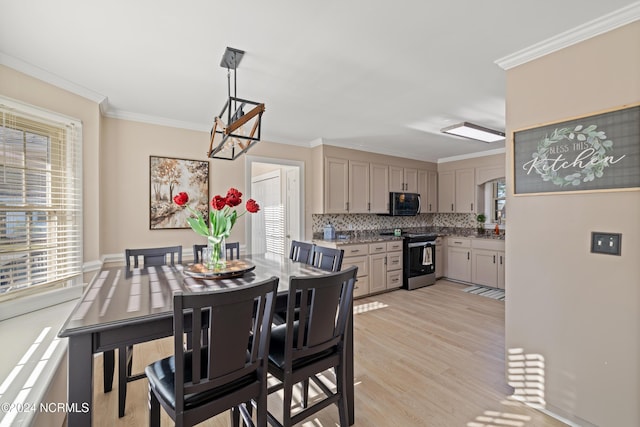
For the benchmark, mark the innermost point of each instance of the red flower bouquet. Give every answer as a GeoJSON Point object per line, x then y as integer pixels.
{"type": "Point", "coordinates": [222, 218]}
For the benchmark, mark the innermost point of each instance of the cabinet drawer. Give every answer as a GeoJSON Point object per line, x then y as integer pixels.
{"type": "Point", "coordinates": [353, 250]}
{"type": "Point", "coordinates": [396, 245]}
{"type": "Point", "coordinates": [457, 242]}
{"type": "Point", "coordinates": [394, 261]}
{"type": "Point", "coordinates": [362, 262]}
{"type": "Point", "coordinates": [361, 287]}
{"type": "Point", "coordinates": [490, 244]}
{"type": "Point", "coordinates": [394, 279]}
{"type": "Point", "coordinates": [377, 248]}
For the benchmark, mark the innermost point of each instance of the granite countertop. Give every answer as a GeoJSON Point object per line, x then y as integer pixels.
{"type": "Point", "coordinates": [351, 237]}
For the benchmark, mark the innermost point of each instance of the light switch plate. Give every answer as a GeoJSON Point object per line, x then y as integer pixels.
{"type": "Point", "coordinates": [606, 243]}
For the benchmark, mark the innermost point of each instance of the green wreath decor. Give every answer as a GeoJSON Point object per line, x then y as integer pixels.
{"type": "Point", "coordinates": [597, 140]}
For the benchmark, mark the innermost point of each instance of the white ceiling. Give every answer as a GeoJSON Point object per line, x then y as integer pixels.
{"type": "Point", "coordinates": [380, 76]}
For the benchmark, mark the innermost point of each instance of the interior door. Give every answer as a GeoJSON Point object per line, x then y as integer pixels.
{"type": "Point", "coordinates": [292, 207]}
{"type": "Point", "coordinates": [267, 225]}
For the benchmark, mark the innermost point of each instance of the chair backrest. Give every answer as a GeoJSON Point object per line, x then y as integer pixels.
{"type": "Point", "coordinates": [233, 251]}
{"type": "Point", "coordinates": [154, 256]}
{"type": "Point", "coordinates": [328, 259]}
{"type": "Point", "coordinates": [237, 333]}
{"type": "Point", "coordinates": [301, 251]}
{"type": "Point", "coordinates": [319, 324]}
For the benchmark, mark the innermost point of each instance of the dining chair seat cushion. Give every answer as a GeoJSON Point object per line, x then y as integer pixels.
{"type": "Point", "coordinates": [277, 345]}
{"type": "Point", "coordinates": [161, 376]}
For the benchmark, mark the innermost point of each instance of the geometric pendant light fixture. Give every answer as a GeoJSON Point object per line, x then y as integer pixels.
{"type": "Point", "coordinates": [237, 128]}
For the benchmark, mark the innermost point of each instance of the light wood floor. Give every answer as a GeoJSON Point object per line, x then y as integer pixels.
{"type": "Point", "coordinates": [430, 357]}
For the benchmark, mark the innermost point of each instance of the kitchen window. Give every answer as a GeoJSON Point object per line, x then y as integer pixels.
{"type": "Point", "coordinates": [499, 202]}
{"type": "Point", "coordinates": [40, 200]}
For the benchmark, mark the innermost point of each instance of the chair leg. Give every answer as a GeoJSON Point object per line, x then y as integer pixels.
{"type": "Point", "coordinates": [261, 410]}
{"type": "Point", "coordinates": [286, 404]}
{"type": "Point", "coordinates": [123, 368]}
{"type": "Point", "coordinates": [154, 409]}
{"type": "Point", "coordinates": [108, 365]}
{"type": "Point", "coordinates": [341, 386]}
{"type": "Point", "coordinates": [235, 416]}
{"type": "Point", "coordinates": [305, 393]}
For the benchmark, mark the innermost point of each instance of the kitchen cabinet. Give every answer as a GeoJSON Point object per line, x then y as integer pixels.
{"type": "Point", "coordinates": [457, 191]}
{"type": "Point", "coordinates": [385, 266]}
{"type": "Point", "coordinates": [440, 262]}
{"type": "Point", "coordinates": [394, 264]}
{"type": "Point", "coordinates": [465, 199]}
{"type": "Point", "coordinates": [378, 188]}
{"type": "Point", "coordinates": [403, 179]}
{"type": "Point", "coordinates": [488, 262]}
{"type": "Point", "coordinates": [358, 200]}
{"type": "Point", "coordinates": [446, 191]}
{"type": "Point", "coordinates": [336, 185]}
{"type": "Point", "coordinates": [459, 259]}
{"type": "Point", "coordinates": [428, 190]}
{"type": "Point", "coordinates": [358, 255]}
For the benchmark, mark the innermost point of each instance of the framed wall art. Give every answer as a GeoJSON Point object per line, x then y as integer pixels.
{"type": "Point", "coordinates": [169, 176]}
{"type": "Point", "coordinates": [600, 152]}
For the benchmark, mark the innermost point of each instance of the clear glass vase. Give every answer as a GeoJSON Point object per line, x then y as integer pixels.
{"type": "Point", "coordinates": [216, 253]}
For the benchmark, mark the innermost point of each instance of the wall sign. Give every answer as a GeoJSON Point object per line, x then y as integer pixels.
{"type": "Point", "coordinates": [598, 152]}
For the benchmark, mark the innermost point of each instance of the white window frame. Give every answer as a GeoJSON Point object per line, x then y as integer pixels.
{"type": "Point", "coordinates": [55, 289]}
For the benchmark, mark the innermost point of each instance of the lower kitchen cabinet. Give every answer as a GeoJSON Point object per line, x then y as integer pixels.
{"type": "Point", "coordinates": [488, 262]}
{"type": "Point", "coordinates": [459, 259]}
{"type": "Point", "coordinates": [377, 272]}
{"type": "Point", "coordinates": [477, 261]}
{"type": "Point", "coordinates": [379, 265]}
{"type": "Point", "coordinates": [440, 258]}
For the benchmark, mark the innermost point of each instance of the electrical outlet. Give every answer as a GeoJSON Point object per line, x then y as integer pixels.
{"type": "Point", "coordinates": [606, 243]}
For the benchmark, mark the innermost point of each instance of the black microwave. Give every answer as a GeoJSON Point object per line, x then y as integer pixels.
{"type": "Point", "coordinates": [404, 204]}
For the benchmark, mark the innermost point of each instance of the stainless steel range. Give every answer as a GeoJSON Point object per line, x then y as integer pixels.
{"type": "Point", "coordinates": [419, 260]}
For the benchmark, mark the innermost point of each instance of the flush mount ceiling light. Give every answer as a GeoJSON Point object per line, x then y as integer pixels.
{"type": "Point", "coordinates": [471, 131]}
{"type": "Point", "coordinates": [235, 131]}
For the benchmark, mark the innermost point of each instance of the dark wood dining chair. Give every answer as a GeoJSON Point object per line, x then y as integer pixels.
{"type": "Point", "coordinates": [301, 251]}
{"type": "Point", "coordinates": [328, 259]}
{"type": "Point", "coordinates": [233, 251]}
{"type": "Point", "coordinates": [147, 257]}
{"type": "Point", "coordinates": [197, 384]}
{"type": "Point", "coordinates": [312, 341]}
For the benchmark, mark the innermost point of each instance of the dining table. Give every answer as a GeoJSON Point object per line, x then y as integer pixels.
{"type": "Point", "coordinates": [123, 306]}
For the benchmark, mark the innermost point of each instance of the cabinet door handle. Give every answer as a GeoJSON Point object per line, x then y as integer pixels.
{"type": "Point", "coordinates": [347, 206]}
{"type": "Point", "coordinates": [429, 207]}
{"type": "Point", "coordinates": [471, 207]}
{"type": "Point", "coordinates": [468, 255]}
{"type": "Point", "coordinates": [369, 206]}
{"type": "Point", "coordinates": [500, 259]}
{"type": "Point", "coordinates": [355, 250]}
{"type": "Point", "coordinates": [494, 259]}
{"type": "Point", "coordinates": [451, 207]}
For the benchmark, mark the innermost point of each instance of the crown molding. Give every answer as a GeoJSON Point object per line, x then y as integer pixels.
{"type": "Point", "coordinates": [51, 78]}
{"type": "Point", "coordinates": [472, 155]}
{"type": "Point", "coordinates": [154, 120]}
{"type": "Point", "coordinates": [593, 28]}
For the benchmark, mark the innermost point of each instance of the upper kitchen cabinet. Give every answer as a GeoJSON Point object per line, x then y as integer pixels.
{"type": "Point", "coordinates": [378, 188]}
{"type": "Point", "coordinates": [465, 190]}
{"type": "Point", "coordinates": [447, 191]}
{"type": "Point", "coordinates": [428, 190]}
{"type": "Point", "coordinates": [336, 185]}
{"type": "Point", "coordinates": [456, 191]}
{"type": "Point", "coordinates": [403, 179]}
{"type": "Point", "coordinates": [359, 185]}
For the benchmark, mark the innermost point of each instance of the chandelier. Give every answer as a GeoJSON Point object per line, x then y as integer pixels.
{"type": "Point", "coordinates": [235, 131]}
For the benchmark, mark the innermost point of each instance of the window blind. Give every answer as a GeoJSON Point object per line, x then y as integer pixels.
{"type": "Point", "coordinates": [40, 198]}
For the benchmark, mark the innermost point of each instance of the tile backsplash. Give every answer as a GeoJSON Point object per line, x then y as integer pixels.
{"type": "Point", "coordinates": [362, 222]}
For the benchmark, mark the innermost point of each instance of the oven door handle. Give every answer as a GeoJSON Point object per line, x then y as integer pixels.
{"type": "Point", "coordinates": [420, 244]}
